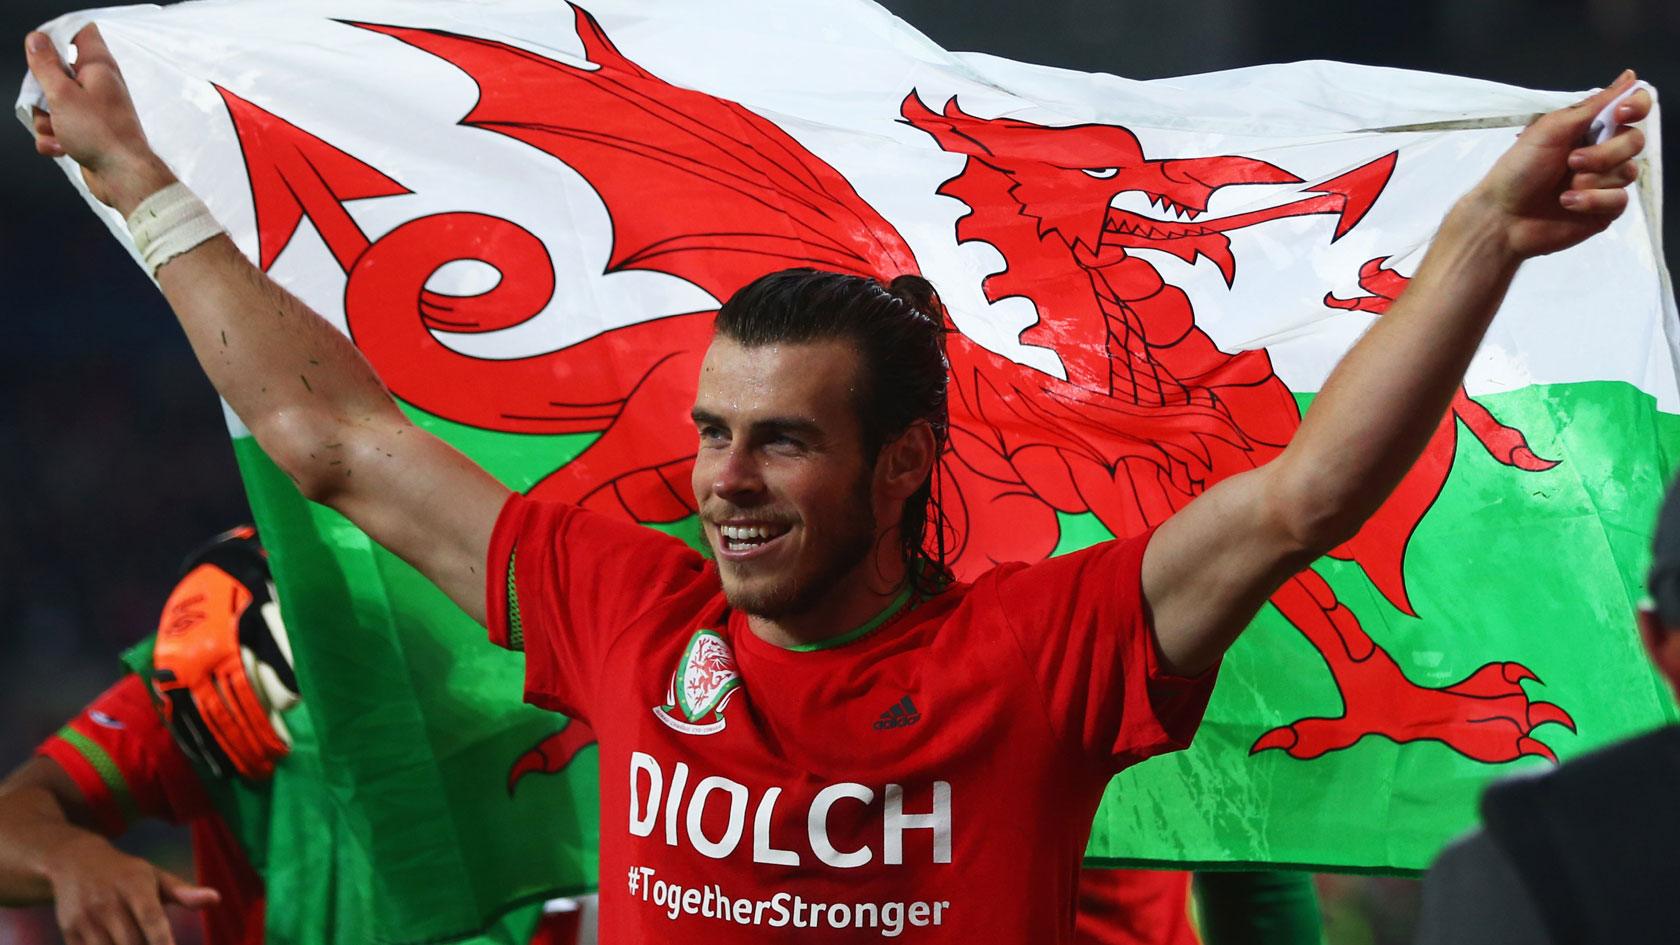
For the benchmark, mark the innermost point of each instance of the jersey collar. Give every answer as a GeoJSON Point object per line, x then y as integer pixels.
{"type": "Point", "coordinates": [851, 636]}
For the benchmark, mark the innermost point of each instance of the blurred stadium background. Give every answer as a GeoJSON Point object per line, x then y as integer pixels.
{"type": "Point", "coordinates": [114, 461]}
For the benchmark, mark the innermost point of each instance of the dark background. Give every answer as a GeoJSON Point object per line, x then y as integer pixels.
{"type": "Point", "coordinates": [114, 461]}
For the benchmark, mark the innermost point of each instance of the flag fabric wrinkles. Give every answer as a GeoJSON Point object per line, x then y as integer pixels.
{"type": "Point", "coordinates": [525, 214]}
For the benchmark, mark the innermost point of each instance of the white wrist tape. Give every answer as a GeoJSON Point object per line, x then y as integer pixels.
{"type": "Point", "coordinates": [167, 224]}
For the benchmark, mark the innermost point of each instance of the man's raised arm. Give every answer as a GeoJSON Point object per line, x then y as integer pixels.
{"type": "Point", "coordinates": [1209, 568]}
{"type": "Point", "coordinates": [302, 388]}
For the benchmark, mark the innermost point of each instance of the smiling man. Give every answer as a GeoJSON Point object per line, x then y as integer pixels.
{"type": "Point", "coordinates": [818, 736]}
{"type": "Point", "coordinates": [810, 376]}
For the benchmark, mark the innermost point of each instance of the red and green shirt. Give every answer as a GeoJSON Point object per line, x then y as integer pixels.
{"type": "Point", "coordinates": [929, 778]}
{"type": "Point", "coordinates": [287, 837]}
{"type": "Point", "coordinates": [126, 764]}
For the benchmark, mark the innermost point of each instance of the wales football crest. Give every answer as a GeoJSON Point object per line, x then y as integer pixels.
{"type": "Point", "coordinates": [701, 686]}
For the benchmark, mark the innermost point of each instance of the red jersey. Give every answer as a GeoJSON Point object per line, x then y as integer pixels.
{"type": "Point", "coordinates": [126, 764]}
{"type": "Point", "coordinates": [931, 776]}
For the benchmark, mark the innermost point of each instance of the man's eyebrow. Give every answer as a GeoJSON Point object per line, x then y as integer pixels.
{"type": "Point", "coordinates": [788, 424]}
{"type": "Point", "coordinates": [804, 425]}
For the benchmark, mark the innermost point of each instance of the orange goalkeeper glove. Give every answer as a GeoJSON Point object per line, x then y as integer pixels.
{"type": "Point", "coordinates": [222, 666]}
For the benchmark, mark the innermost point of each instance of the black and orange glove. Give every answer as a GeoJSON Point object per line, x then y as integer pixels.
{"type": "Point", "coordinates": [222, 666]}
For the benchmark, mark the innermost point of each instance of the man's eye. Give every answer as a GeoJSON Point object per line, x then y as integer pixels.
{"type": "Point", "coordinates": [710, 434]}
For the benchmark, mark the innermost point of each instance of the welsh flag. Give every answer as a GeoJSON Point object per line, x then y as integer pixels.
{"type": "Point", "coordinates": [525, 214]}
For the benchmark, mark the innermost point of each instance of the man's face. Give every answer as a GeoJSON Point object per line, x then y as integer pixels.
{"type": "Point", "coordinates": [785, 497]}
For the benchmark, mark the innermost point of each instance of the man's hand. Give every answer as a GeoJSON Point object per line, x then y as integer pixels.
{"type": "Point", "coordinates": [49, 852]}
{"type": "Point", "coordinates": [299, 384]}
{"type": "Point", "coordinates": [91, 119]}
{"type": "Point", "coordinates": [1209, 568]}
{"type": "Point", "coordinates": [101, 894]}
{"type": "Point", "coordinates": [1553, 190]}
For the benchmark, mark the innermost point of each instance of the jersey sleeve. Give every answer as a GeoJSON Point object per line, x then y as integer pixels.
{"type": "Point", "coordinates": [122, 758]}
{"type": "Point", "coordinates": [1084, 629]}
{"type": "Point", "coordinates": [564, 582]}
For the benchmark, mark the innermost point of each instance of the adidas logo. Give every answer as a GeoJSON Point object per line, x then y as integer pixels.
{"type": "Point", "coordinates": [902, 713]}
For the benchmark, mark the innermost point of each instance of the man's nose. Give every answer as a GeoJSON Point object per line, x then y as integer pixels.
{"type": "Point", "coordinates": [737, 474]}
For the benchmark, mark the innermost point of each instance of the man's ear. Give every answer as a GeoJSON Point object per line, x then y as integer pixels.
{"type": "Point", "coordinates": [906, 462]}
{"type": "Point", "coordinates": [1663, 645]}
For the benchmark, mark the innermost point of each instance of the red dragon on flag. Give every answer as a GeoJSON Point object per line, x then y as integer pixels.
{"type": "Point", "coordinates": [1150, 412]}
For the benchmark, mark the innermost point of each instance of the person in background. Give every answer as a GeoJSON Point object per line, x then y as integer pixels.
{"type": "Point", "coordinates": [201, 730]}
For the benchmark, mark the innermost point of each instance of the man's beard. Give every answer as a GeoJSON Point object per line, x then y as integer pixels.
{"type": "Point", "coordinates": [796, 595]}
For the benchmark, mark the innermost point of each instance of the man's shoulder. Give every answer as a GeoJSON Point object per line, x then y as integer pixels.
{"type": "Point", "coordinates": [1071, 574]}
{"type": "Point", "coordinates": [580, 528]}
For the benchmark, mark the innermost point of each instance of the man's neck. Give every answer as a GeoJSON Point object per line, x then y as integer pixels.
{"type": "Point", "coordinates": [855, 601]}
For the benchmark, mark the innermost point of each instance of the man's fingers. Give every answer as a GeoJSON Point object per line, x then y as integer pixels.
{"type": "Point", "coordinates": [1636, 108]}
{"type": "Point", "coordinates": [153, 923]}
{"type": "Point", "coordinates": [46, 143]}
{"type": "Point", "coordinates": [1595, 202]}
{"type": "Point", "coordinates": [91, 48]}
{"type": "Point", "coordinates": [46, 66]}
{"type": "Point", "coordinates": [1620, 176]}
{"type": "Point", "coordinates": [1624, 147]}
{"type": "Point", "coordinates": [182, 893]}
{"type": "Point", "coordinates": [118, 924]}
{"type": "Point", "coordinates": [1594, 103]}
{"type": "Point", "coordinates": [87, 935]}
{"type": "Point", "coordinates": [1570, 124]}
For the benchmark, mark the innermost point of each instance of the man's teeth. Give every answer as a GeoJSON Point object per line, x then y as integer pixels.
{"type": "Point", "coordinates": [747, 534]}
